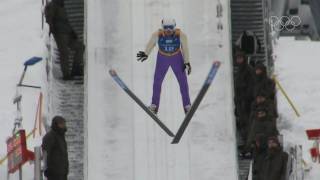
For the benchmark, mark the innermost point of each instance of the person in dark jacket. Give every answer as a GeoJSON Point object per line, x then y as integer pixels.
{"type": "Point", "coordinates": [262, 124]}
{"type": "Point", "coordinates": [261, 101]}
{"type": "Point", "coordinates": [243, 91]}
{"type": "Point", "coordinates": [275, 165]}
{"type": "Point", "coordinates": [54, 147]}
{"type": "Point", "coordinates": [65, 37]}
{"type": "Point", "coordinates": [259, 155]}
{"type": "Point", "coordinates": [263, 82]}
{"type": "Point", "coordinates": [249, 42]}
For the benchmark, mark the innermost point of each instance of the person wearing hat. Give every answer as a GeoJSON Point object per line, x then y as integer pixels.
{"type": "Point", "coordinates": [243, 84]}
{"type": "Point", "coordinates": [173, 52]}
{"type": "Point", "coordinates": [262, 124]}
{"type": "Point", "coordinates": [263, 82]}
{"type": "Point", "coordinates": [55, 150]}
{"type": "Point", "coordinates": [261, 101]}
{"type": "Point", "coordinates": [260, 150]}
{"type": "Point", "coordinates": [275, 165]}
{"type": "Point", "coordinates": [66, 38]}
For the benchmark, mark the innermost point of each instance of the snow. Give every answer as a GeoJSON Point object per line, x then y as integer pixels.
{"type": "Point", "coordinates": [131, 145]}
{"type": "Point", "coordinates": [20, 31]}
{"type": "Point", "coordinates": [297, 69]}
{"type": "Point", "coordinates": [123, 142]}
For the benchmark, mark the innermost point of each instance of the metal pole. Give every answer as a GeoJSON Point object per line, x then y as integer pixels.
{"type": "Point", "coordinates": [30, 86]}
{"type": "Point", "coordinates": [37, 163]}
{"type": "Point", "coordinates": [23, 74]}
{"type": "Point", "coordinates": [20, 173]}
{"type": "Point", "coordinates": [286, 96]}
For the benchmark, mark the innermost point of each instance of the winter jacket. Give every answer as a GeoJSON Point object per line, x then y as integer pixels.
{"type": "Point", "coordinates": [56, 17]}
{"type": "Point", "coordinates": [268, 105]}
{"type": "Point", "coordinates": [263, 83]}
{"type": "Point", "coordinates": [248, 42]}
{"type": "Point", "coordinates": [55, 146]}
{"type": "Point", "coordinates": [263, 125]}
{"type": "Point", "coordinates": [275, 165]}
{"type": "Point", "coordinates": [259, 156]}
{"type": "Point", "coordinates": [243, 84]}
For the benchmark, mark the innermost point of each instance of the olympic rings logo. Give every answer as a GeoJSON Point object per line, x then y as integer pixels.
{"type": "Point", "coordinates": [284, 22]}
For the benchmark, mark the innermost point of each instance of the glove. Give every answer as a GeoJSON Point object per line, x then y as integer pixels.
{"type": "Point", "coordinates": [46, 173]}
{"type": "Point", "coordinates": [188, 67]}
{"type": "Point", "coordinates": [142, 56]}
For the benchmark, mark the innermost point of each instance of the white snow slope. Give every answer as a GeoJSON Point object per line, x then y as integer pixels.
{"type": "Point", "coordinates": [123, 142]}
{"type": "Point", "coordinates": [297, 68]}
{"type": "Point", "coordinates": [20, 30]}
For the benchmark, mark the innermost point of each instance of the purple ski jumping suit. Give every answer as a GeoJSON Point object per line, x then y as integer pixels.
{"type": "Point", "coordinates": [173, 52]}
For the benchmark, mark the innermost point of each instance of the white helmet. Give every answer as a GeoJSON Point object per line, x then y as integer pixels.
{"type": "Point", "coordinates": [168, 22]}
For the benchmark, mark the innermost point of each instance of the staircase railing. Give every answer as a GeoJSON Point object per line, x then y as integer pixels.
{"type": "Point", "coordinates": [295, 170]}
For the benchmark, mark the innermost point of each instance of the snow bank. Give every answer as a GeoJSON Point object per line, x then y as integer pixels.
{"type": "Point", "coordinates": [297, 68]}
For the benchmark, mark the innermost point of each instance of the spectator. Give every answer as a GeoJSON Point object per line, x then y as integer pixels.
{"type": "Point", "coordinates": [259, 155]}
{"type": "Point", "coordinates": [275, 165]}
{"type": "Point", "coordinates": [263, 83]}
{"type": "Point", "coordinates": [249, 43]}
{"type": "Point", "coordinates": [55, 152]}
{"type": "Point", "coordinates": [261, 101]}
{"type": "Point", "coordinates": [243, 91]}
{"type": "Point", "coordinates": [65, 37]}
{"type": "Point", "coordinates": [262, 124]}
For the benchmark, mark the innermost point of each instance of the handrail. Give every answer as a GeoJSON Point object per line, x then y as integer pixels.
{"type": "Point", "coordinates": [295, 170]}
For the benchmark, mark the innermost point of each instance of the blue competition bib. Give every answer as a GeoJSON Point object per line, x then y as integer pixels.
{"type": "Point", "coordinates": [169, 45]}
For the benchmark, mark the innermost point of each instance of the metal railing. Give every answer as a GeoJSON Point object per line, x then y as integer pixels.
{"type": "Point", "coordinates": [295, 170]}
{"type": "Point", "coordinates": [37, 164]}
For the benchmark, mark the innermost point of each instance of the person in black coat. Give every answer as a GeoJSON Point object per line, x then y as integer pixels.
{"type": "Point", "coordinates": [261, 101]}
{"type": "Point", "coordinates": [55, 151]}
{"type": "Point", "coordinates": [262, 124]}
{"type": "Point", "coordinates": [275, 165]}
{"type": "Point", "coordinates": [243, 81]}
{"type": "Point", "coordinates": [259, 154]}
{"type": "Point", "coordinates": [65, 37]}
{"type": "Point", "coordinates": [263, 82]}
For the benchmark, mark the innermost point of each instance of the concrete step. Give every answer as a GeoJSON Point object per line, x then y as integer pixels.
{"type": "Point", "coordinates": [70, 98]}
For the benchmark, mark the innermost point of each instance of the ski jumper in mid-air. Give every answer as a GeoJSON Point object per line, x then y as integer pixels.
{"type": "Point", "coordinates": [173, 52]}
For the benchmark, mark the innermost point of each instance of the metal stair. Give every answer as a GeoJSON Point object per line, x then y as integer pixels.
{"type": "Point", "coordinates": [249, 15]}
{"type": "Point", "coordinates": [75, 12]}
{"type": "Point", "coordinates": [243, 164]}
{"type": "Point", "coordinates": [71, 98]}
{"type": "Point", "coordinates": [67, 101]}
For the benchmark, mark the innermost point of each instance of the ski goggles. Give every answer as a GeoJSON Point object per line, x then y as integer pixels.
{"type": "Point", "coordinates": [168, 27]}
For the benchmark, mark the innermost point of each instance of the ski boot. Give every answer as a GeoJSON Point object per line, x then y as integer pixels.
{"type": "Point", "coordinates": [187, 109]}
{"type": "Point", "coordinates": [153, 108]}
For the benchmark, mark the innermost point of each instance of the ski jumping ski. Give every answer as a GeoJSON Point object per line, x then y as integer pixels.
{"type": "Point", "coordinates": [116, 78]}
{"type": "Point", "coordinates": [197, 101]}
